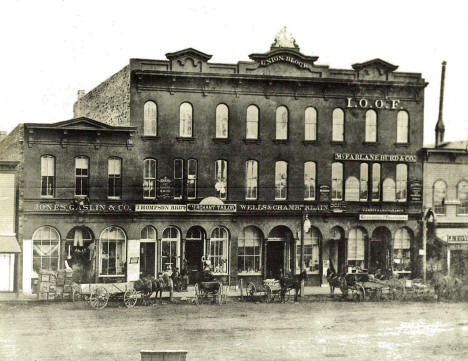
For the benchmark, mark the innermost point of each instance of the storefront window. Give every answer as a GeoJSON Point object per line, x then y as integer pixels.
{"type": "Point", "coordinates": [170, 243]}
{"type": "Point", "coordinates": [356, 247]}
{"type": "Point", "coordinates": [112, 252]}
{"type": "Point", "coordinates": [222, 116]}
{"type": "Point", "coordinates": [252, 122]}
{"type": "Point", "coordinates": [462, 191]}
{"type": "Point", "coordinates": [150, 119]}
{"type": "Point", "coordinates": [401, 250]}
{"type": "Point", "coordinates": [311, 251]}
{"type": "Point", "coordinates": [281, 123]}
{"type": "Point", "coordinates": [46, 245]}
{"type": "Point", "coordinates": [80, 254]}
{"type": "Point", "coordinates": [310, 124]}
{"type": "Point", "coordinates": [249, 251]}
{"type": "Point", "coordinates": [219, 246]}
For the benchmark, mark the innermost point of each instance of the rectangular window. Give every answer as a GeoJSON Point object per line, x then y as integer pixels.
{"type": "Point", "coordinates": [375, 182]}
{"type": "Point", "coordinates": [115, 178]}
{"type": "Point", "coordinates": [111, 257]}
{"type": "Point", "coordinates": [45, 255]}
{"type": "Point", "coordinates": [337, 182]}
{"type": "Point", "coordinates": [47, 176]}
{"type": "Point", "coordinates": [191, 179]}
{"type": "Point", "coordinates": [248, 256]}
{"type": "Point", "coordinates": [281, 180]}
{"type": "Point", "coordinates": [149, 179]}
{"type": "Point", "coordinates": [218, 255]}
{"type": "Point", "coordinates": [402, 180]}
{"type": "Point", "coordinates": [168, 254]}
{"type": "Point", "coordinates": [252, 179]}
{"type": "Point", "coordinates": [178, 178]}
{"type": "Point", "coordinates": [81, 176]}
{"type": "Point", "coordinates": [309, 181]}
{"type": "Point", "coordinates": [221, 179]}
{"type": "Point", "coordinates": [364, 182]}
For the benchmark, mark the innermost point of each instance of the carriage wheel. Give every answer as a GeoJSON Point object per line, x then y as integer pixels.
{"type": "Point", "coordinates": [251, 290]}
{"type": "Point", "coordinates": [377, 294]}
{"type": "Point", "coordinates": [359, 293]}
{"type": "Point", "coordinates": [130, 298]}
{"type": "Point", "coordinates": [268, 294]}
{"type": "Point", "coordinates": [197, 294]}
{"type": "Point", "coordinates": [99, 298]}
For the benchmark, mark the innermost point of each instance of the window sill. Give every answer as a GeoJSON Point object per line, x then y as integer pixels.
{"type": "Point", "coordinates": [222, 140]}
{"type": "Point", "coordinates": [185, 139]}
{"type": "Point", "coordinates": [251, 141]}
{"type": "Point", "coordinates": [370, 143]}
{"type": "Point", "coordinates": [249, 274]}
{"type": "Point", "coordinates": [150, 137]}
{"type": "Point", "coordinates": [280, 141]}
{"type": "Point", "coordinates": [309, 199]}
{"type": "Point", "coordinates": [113, 198]}
{"type": "Point", "coordinates": [402, 145]}
{"type": "Point", "coordinates": [47, 197]}
{"type": "Point", "coordinates": [462, 214]}
{"type": "Point", "coordinates": [335, 142]}
{"type": "Point", "coordinates": [310, 142]}
{"type": "Point", "coordinates": [113, 276]}
{"type": "Point", "coordinates": [220, 274]}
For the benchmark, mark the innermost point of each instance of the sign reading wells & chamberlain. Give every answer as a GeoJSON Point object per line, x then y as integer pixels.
{"type": "Point", "coordinates": [376, 157]}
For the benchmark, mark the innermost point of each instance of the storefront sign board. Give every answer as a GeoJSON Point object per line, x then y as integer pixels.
{"type": "Point", "coordinates": [383, 217]}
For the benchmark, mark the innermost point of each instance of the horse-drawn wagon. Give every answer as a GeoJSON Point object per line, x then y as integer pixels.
{"type": "Point", "coordinates": [98, 295]}
{"type": "Point", "coordinates": [269, 289]}
{"type": "Point", "coordinates": [210, 289]}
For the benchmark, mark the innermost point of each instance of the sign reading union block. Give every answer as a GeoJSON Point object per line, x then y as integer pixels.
{"type": "Point", "coordinates": [376, 157]}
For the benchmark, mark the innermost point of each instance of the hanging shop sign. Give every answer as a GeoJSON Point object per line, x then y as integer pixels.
{"type": "Point", "coordinates": [383, 217]}
{"type": "Point", "coordinates": [165, 188]}
{"type": "Point", "coordinates": [324, 193]}
{"type": "Point", "coordinates": [365, 157]}
{"type": "Point", "coordinates": [364, 103]}
{"type": "Point", "coordinates": [415, 191]}
{"type": "Point", "coordinates": [453, 235]}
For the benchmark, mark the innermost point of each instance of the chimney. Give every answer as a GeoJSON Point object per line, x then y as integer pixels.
{"type": "Point", "coordinates": [81, 94]}
{"type": "Point", "coordinates": [440, 127]}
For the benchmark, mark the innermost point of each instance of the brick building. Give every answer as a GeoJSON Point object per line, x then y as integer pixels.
{"type": "Point", "coordinates": [263, 167]}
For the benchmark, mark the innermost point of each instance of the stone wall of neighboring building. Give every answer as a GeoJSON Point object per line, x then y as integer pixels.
{"type": "Point", "coordinates": [109, 102]}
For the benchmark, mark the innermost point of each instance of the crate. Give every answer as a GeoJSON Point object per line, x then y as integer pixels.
{"type": "Point", "coordinates": [59, 289]}
{"type": "Point", "coordinates": [52, 287]}
{"type": "Point", "coordinates": [68, 281]}
{"type": "Point", "coordinates": [44, 287]}
{"type": "Point", "coordinates": [66, 296]}
{"type": "Point", "coordinates": [44, 277]}
{"type": "Point", "coordinates": [42, 296]}
{"type": "Point", "coordinates": [67, 289]}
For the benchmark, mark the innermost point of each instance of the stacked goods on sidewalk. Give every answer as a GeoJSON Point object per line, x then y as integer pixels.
{"type": "Point", "coordinates": [55, 285]}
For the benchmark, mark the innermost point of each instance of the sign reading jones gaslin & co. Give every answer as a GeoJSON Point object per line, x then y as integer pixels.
{"type": "Point", "coordinates": [70, 207]}
{"type": "Point", "coordinates": [376, 157]}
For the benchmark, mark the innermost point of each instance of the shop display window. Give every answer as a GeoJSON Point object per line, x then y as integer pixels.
{"type": "Point", "coordinates": [46, 246]}
{"type": "Point", "coordinates": [401, 251]}
{"type": "Point", "coordinates": [112, 252]}
{"type": "Point", "coordinates": [219, 248]}
{"type": "Point", "coordinates": [311, 251]}
{"type": "Point", "coordinates": [249, 251]}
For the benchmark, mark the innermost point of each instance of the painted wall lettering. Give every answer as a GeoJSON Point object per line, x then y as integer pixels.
{"type": "Point", "coordinates": [364, 103]}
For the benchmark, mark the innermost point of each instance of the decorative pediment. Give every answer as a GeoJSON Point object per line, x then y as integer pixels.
{"type": "Point", "coordinates": [290, 56]}
{"type": "Point", "coordinates": [187, 56]}
{"type": "Point", "coordinates": [376, 63]}
{"type": "Point", "coordinates": [81, 123]}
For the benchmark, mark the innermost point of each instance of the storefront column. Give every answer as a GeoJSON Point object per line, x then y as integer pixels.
{"type": "Point", "coordinates": [133, 260]}
{"type": "Point", "coordinates": [27, 265]}
{"type": "Point", "coordinates": [448, 261]}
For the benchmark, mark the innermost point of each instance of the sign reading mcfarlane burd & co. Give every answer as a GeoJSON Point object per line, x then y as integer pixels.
{"type": "Point", "coordinates": [363, 157]}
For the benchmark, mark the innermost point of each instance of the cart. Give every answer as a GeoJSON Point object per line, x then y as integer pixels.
{"type": "Point", "coordinates": [363, 287]}
{"type": "Point", "coordinates": [98, 295]}
{"type": "Point", "coordinates": [270, 289]}
{"type": "Point", "coordinates": [210, 289]}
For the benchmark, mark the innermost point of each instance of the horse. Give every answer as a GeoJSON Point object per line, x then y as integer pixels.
{"type": "Point", "coordinates": [147, 285]}
{"type": "Point", "coordinates": [447, 286]}
{"type": "Point", "coordinates": [293, 283]}
{"type": "Point", "coordinates": [163, 283]}
{"type": "Point", "coordinates": [336, 281]}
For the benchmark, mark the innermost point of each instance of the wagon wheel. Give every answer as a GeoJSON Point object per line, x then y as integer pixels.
{"type": "Point", "coordinates": [377, 294]}
{"type": "Point", "coordinates": [146, 298]}
{"type": "Point", "coordinates": [130, 298]}
{"type": "Point", "coordinates": [197, 294]}
{"type": "Point", "coordinates": [251, 290]}
{"type": "Point", "coordinates": [268, 294]}
{"type": "Point", "coordinates": [99, 298]}
{"type": "Point", "coordinates": [359, 293]}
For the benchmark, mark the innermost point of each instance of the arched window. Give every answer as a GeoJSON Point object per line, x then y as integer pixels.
{"type": "Point", "coordinates": [185, 116]}
{"type": "Point", "coordinates": [364, 182]}
{"type": "Point", "coordinates": [356, 247]}
{"type": "Point", "coordinates": [192, 174]}
{"type": "Point", "coordinates": [401, 182]}
{"type": "Point", "coordinates": [150, 127]}
{"type": "Point", "coordinates": [281, 123]}
{"type": "Point", "coordinates": [222, 116]}
{"type": "Point", "coordinates": [249, 251]}
{"type": "Point", "coordinates": [388, 190]}
{"type": "Point", "coordinates": [46, 246]}
{"type": "Point", "coordinates": [251, 179]}
{"type": "Point", "coordinates": [149, 178]}
{"type": "Point", "coordinates": [47, 176]}
{"type": "Point", "coordinates": [338, 125]}
{"type": "Point", "coordinates": [311, 251]}
{"type": "Point", "coordinates": [439, 197]}
{"type": "Point", "coordinates": [81, 176]}
{"type": "Point", "coordinates": [462, 195]}
{"type": "Point", "coordinates": [310, 124]}
{"type": "Point", "coordinates": [337, 182]}
{"type": "Point", "coordinates": [352, 189]}
{"type": "Point", "coordinates": [402, 127]}
{"type": "Point", "coordinates": [219, 250]}
{"type": "Point", "coordinates": [114, 174]}
{"type": "Point", "coordinates": [112, 252]}
{"type": "Point", "coordinates": [310, 175]}
{"type": "Point", "coordinates": [376, 182]}
{"type": "Point", "coordinates": [170, 249]}
{"type": "Point", "coordinates": [281, 180]}
{"type": "Point", "coordinates": [221, 178]}
{"type": "Point", "coordinates": [252, 122]}
{"type": "Point", "coordinates": [402, 251]}
{"type": "Point", "coordinates": [148, 234]}
{"type": "Point", "coordinates": [371, 126]}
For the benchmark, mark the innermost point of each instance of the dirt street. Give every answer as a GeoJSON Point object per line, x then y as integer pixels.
{"type": "Point", "coordinates": [237, 331]}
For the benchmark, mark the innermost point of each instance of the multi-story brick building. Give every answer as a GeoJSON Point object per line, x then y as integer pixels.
{"type": "Point", "coordinates": [263, 166]}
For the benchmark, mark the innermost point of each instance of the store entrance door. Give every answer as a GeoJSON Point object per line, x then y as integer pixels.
{"type": "Point", "coordinates": [194, 251]}
{"type": "Point", "coordinates": [147, 258]}
{"type": "Point", "coordinates": [275, 259]}
{"type": "Point", "coordinates": [379, 250]}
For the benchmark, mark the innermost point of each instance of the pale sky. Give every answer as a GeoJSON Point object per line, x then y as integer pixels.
{"type": "Point", "coordinates": [53, 48]}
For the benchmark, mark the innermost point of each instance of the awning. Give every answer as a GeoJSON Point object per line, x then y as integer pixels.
{"type": "Point", "coordinates": [9, 244]}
